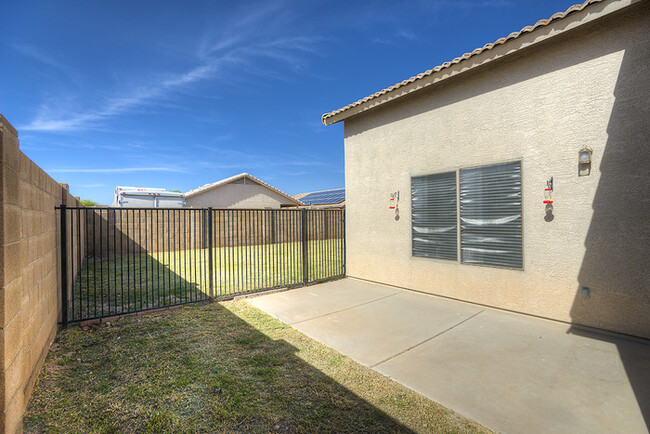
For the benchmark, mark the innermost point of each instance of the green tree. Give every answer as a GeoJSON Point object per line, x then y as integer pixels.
{"type": "Point", "coordinates": [88, 202]}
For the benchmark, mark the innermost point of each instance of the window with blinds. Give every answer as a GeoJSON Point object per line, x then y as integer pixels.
{"type": "Point", "coordinates": [490, 215]}
{"type": "Point", "coordinates": [433, 215]}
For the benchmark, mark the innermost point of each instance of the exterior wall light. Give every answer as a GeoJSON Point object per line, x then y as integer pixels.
{"type": "Point", "coordinates": [584, 155]}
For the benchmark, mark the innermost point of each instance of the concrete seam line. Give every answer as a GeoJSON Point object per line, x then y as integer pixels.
{"type": "Point", "coordinates": [344, 309]}
{"type": "Point", "coordinates": [426, 340]}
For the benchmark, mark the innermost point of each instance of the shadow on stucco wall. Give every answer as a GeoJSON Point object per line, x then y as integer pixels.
{"type": "Point", "coordinates": [615, 263]}
{"type": "Point", "coordinates": [613, 281]}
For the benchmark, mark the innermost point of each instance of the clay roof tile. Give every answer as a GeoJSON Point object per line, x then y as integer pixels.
{"type": "Point", "coordinates": [488, 46]}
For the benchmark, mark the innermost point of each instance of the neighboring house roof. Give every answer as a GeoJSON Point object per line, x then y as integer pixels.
{"type": "Point", "coordinates": [420, 81]}
{"type": "Point", "coordinates": [223, 182]}
{"type": "Point", "coordinates": [323, 197]}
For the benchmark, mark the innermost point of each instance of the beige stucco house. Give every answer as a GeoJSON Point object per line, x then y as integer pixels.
{"type": "Point", "coordinates": [239, 191]}
{"type": "Point", "coordinates": [467, 150]}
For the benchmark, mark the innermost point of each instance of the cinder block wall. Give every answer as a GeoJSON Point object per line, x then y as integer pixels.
{"type": "Point", "coordinates": [29, 295]}
{"type": "Point", "coordinates": [117, 232]}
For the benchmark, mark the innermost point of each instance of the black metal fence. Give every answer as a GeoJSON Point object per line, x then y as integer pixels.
{"type": "Point", "coordinates": [123, 260]}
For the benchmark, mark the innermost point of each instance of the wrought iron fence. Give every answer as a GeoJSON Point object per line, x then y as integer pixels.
{"type": "Point", "coordinates": [123, 260]}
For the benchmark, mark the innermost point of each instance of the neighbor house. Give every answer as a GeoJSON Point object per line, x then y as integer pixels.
{"type": "Point", "coordinates": [514, 176]}
{"type": "Point", "coordinates": [146, 197]}
{"type": "Point", "coordinates": [239, 191]}
{"type": "Point", "coordinates": [323, 199]}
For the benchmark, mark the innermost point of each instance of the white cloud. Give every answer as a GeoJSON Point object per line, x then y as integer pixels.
{"type": "Point", "coordinates": [35, 54]}
{"type": "Point", "coordinates": [236, 50]}
{"type": "Point", "coordinates": [49, 118]}
{"type": "Point", "coordinates": [118, 170]}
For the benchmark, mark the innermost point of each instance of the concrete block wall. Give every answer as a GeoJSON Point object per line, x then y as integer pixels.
{"type": "Point", "coordinates": [29, 276]}
{"type": "Point", "coordinates": [117, 232]}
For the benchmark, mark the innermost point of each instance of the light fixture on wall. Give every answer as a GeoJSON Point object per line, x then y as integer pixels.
{"type": "Point", "coordinates": [584, 155]}
{"type": "Point", "coordinates": [584, 161]}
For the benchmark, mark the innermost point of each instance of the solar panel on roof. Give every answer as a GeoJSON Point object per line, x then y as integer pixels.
{"type": "Point", "coordinates": [324, 197]}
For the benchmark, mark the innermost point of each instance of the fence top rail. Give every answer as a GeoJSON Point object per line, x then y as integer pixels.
{"type": "Point", "coordinates": [108, 208]}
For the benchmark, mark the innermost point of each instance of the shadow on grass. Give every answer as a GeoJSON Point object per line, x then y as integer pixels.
{"type": "Point", "coordinates": [127, 260]}
{"type": "Point", "coordinates": [131, 283]}
{"type": "Point", "coordinates": [201, 368]}
{"type": "Point", "coordinates": [142, 281]}
{"type": "Point", "coordinates": [217, 367]}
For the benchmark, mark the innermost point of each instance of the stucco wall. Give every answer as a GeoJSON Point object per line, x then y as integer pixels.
{"type": "Point", "coordinates": [250, 195]}
{"type": "Point", "coordinates": [587, 87]}
{"type": "Point", "coordinates": [29, 273]}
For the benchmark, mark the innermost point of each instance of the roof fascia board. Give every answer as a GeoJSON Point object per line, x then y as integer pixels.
{"type": "Point", "coordinates": [570, 22]}
{"type": "Point", "coordinates": [214, 185]}
{"type": "Point", "coordinates": [273, 189]}
{"type": "Point", "coordinates": [247, 176]}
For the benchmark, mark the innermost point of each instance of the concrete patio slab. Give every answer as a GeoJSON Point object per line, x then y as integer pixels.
{"type": "Point", "coordinates": [516, 374]}
{"type": "Point", "coordinates": [387, 326]}
{"type": "Point", "coordinates": [509, 372]}
{"type": "Point", "coordinates": [314, 301]}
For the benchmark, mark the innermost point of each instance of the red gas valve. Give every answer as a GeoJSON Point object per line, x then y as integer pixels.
{"type": "Point", "coordinates": [548, 191]}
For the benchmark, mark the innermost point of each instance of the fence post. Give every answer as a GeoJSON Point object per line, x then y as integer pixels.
{"type": "Point", "coordinates": [344, 245]}
{"type": "Point", "coordinates": [210, 271]}
{"type": "Point", "coordinates": [64, 267]}
{"type": "Point", "coordinates": [305, 249]}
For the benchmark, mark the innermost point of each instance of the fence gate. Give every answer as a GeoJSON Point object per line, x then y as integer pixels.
{"type": "Point", "coordinates": [123, 260]}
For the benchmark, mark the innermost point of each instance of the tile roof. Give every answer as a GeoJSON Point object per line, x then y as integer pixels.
{"type": "Point", "coordinates": [207, 187]}
{"type": "Point", "coordinates": [501, 41]}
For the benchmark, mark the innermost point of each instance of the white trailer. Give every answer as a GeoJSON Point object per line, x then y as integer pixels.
{"type": "Point", "coordinates": [142, 197]}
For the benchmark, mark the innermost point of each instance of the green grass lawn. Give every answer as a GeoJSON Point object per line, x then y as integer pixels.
{"type": "Point", "coordinates": [134, 282]}
{"type": "Point", "coordinates": [224, 367]}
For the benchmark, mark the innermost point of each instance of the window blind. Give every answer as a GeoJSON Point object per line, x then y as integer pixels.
{"type": "Point", "coordinates": [434, 216]}
{"type": "Point", "coordinates": [490, 215]}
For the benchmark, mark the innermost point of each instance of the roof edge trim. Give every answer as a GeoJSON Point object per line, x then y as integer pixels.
{"type": "Point", "coordinates": [526, 37]}
{"type": "Point", "coordinates": [227, 181]}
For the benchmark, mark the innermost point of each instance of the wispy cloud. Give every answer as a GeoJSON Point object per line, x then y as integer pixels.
{"type": "Point", "coordinates": [32, 144]}
{"type": "Point", "coordinates": [308, 163]}
{"type": "Point", "coordinates": [35, 54]}
{"type": "Point", "coordinates": [296, 173]}
{"type": "Point", "coordinates": [118, 170]}
{"type": "Point", "coordinates": [261, 161]}
{"type": "Point", "coordinates": [234, 51]}
{"type": "Point", "coordinates": [49, 115]}
{"type": "Point", "coordinates": [396, 38]}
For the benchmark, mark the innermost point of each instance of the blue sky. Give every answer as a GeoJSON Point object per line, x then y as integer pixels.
{"type": "Point", "coordinates": [179, 94]}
